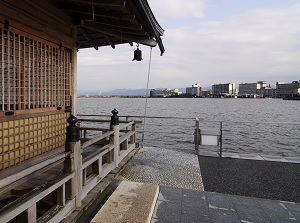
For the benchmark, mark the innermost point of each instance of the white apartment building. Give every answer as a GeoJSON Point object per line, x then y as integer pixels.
{"type": "Point", "coordinates": [195, 90]}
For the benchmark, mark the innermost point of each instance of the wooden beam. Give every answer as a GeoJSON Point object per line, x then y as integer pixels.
{"type": "Point", "coordinates": [97, 12]}
{"type": "Point", "coordinates": [86, 35]}
{"type": "Point", "coordinates": [117, 23]}
{"type": "Point", "coordinates": [138, 39]}
{"type": "Point", "coordinates": [112, 3]}
{"type": "Point", "coordinates": [124, 30]}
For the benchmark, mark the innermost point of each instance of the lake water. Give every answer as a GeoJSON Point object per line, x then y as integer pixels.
{"type": "Point", "coordinates": [261, 126]}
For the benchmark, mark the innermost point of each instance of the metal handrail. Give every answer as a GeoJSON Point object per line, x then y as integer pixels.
{"type": "Point", "coordinates": [189, 118]}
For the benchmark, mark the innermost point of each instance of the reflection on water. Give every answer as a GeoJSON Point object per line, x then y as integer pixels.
{"type": "Point", "coordinates": [248, 124]}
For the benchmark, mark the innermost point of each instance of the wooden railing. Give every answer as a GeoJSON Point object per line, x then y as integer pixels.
{"type": "Point", "coordinates": [27, 203]}
{"type": "Point", "coordinates": [103, 153]}
{"type": "Point", "coordinates": [86, 161]}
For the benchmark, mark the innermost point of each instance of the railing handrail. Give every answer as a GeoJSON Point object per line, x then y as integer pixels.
{"type": "Point", "coordinates": [95, 139]}
{"type": "Point", "coordinates": [100, 120]}
{"type": "Point", "coordinates": [38, 166]}
{"type": "Point", "coordinates": [25, 202]}
{"type": "Point", "coordinates": [189, 118]}
{"type": "Point", "coordinates": [127, 125]}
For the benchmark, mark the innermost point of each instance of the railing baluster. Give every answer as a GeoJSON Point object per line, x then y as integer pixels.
{"type": "Point", "coordinates": [61, 198]}
{"type": "Point", "coordinates": [83, 177]}
{"type": "Point", "coordinates": [32, 214]}
{"type": "Point", "coordinates": [133, 137]}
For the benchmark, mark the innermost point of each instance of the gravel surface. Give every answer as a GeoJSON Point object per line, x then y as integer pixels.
{"type": "Point", "coordinates": [165, 167]}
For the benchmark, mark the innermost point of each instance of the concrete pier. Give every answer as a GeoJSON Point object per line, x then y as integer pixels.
{"type": "Point", "coordinates": [237, 188]}
{"type": "Point", "coordinates": [130, 202]}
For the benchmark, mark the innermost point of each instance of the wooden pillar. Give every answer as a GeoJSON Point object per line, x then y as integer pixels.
{"type": "Point", "coordinates": [74, 76]}
{"type": "Point", "coordinates": [133, 137]}
{"type": "Point", "coordinates": [114, 125]}
{"type": "Point", "coordinates": [73, 162]}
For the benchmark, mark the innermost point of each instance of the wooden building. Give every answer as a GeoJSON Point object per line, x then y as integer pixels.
{"type": "Point", "coordinates": [39, 40]}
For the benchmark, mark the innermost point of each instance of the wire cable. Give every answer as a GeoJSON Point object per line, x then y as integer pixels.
{"type": "Point", "coordinates": [146, 102]}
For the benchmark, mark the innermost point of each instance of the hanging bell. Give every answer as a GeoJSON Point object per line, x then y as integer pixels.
{"type": "Point", "coordinates": [137, 54]}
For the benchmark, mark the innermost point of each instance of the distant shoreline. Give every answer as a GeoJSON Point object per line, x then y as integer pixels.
{"type": "Point", "coordinates": [137, 96]}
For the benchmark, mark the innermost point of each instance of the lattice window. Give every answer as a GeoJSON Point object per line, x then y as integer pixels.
{"type": "Point", "coordinates": [23, 139]}
{"type": "Point", "coordinates": [33, 73]}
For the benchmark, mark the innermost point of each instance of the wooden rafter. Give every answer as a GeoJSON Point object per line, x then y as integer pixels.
{"type": "Point", "coordinates": [110, 41]}
{"type": "Point", "coordinates": [86, 35]}
{"type": "Point", "coordinates": [133, 38]}
{"type": "Point", "coordinates": [97, 12]}
{"type": "Point", "coordinates": [111, 3]}
{"type": "Point", "coordinates": [112, 22]}
{"type": "Point", "coordinates": [117, 23]}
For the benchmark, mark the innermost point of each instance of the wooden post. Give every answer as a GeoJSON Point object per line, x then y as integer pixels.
{"type": "Point", "coordinates": [74, 76]}
{"type": "Point", "coordinates": [133, 137]}
{"type": "Point", "coordinates": [127, 119]}
{"type": "Point", "coordinates": [31, 214]}
{"type": "Point", "coordinates": [73, 162]}
{"type": "Point", "coordinates": [61, 198]}
{"type": "Point", "coordinates": [114, 125]}
{"type": "Point", "coordinates": [197, 136]}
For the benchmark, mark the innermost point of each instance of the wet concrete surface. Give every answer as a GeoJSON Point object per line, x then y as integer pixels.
{"type": "Point", "coordinates": [254, 178]}
{"type": "Point", "coordinates": [176, 205]}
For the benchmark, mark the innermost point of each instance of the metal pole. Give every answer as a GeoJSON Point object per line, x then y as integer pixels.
{"type": "Point", "coordinates": [221, 139]}
{"type": "Point", "coordinates": [197, 135]}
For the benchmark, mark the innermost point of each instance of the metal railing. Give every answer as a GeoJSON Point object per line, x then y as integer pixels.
{"type": "Point", "coordinates": [265, 138]}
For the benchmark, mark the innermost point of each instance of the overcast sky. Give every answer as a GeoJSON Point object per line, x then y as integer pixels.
{"type": "Point", "coordinates": [207, 42]}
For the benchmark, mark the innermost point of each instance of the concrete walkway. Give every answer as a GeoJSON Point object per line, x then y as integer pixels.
{"type": "Point", "coordinates": [175, 205]}
{"type": "Point", "coordinates": [130, 202]}
{"type": "Point", "coordinates": [182, 199]}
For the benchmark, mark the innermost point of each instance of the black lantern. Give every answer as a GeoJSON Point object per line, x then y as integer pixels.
{"type": "Point", "coordinates": [137, 54]}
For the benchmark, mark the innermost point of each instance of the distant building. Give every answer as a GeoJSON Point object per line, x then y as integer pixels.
{"type": "Point", "coordinates": [223, 89]}
{"type": "Point", "coordinates": [287, 90]}
{"type": "Point", "coordinates": [266, 92]}
{"type": "Point", "coordinates": [251, 88]}
{"type": "Point", "coordinates": [167, 92]}
{"type": "Point", "coordinates": [206, 93]}
{"type": "Point", "coordinates": [195, 90]}
{"type": "Point", "coordinates": [156, 93]}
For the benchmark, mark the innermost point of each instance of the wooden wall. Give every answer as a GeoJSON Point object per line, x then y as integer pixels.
{"type": "Point", "coordinates": [37, 79]}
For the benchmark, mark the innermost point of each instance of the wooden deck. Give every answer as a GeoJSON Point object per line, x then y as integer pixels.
{"type": "Point", "coordinates": [49, 187]}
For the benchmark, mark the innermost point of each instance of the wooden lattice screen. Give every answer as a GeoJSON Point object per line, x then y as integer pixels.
{"type": "Point", "coordinates": [35, 83]}
{"type": "Point", "coordinates": [33, 73]}
{"type": "Point", "coordinates": [27, 138]}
